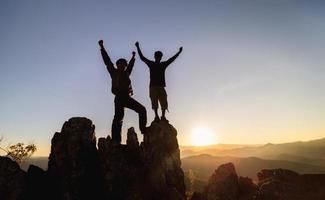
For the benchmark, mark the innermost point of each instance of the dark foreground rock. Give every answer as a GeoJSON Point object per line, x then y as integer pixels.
{"type": "Point", "coordinates": [286, 184]}
{"type": "Point", "coordinates": [225, 184]}
{"type": "Point", "coordinates": [78, 170]}
{"type": "Point", "coordinates": [151, 170]}
{"type": "Point", "coordinates": [74, 168]}
{"type": "Point", "coordinates": [273, 184]}
{"type": "Point", "coordinates": [12, 179]}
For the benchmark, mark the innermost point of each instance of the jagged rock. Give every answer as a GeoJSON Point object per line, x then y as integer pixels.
{"type": "Point", "coordinates": [273, 184]}
{"type": "Point", "coordinates": [12, 179]}
{"type": "Point", "coordinates": [278, 184]}
{"type": "Point", "coordinates": [162, 160]}
{"type": "Point", "coordinates": [266, 175]}
{"type": "Point", "coordinates": [247, 189]}
{"type": "Point", "coordinates": [121, 168]}
{"type": "Point", "coordinates": [223, 184]}
{"type": "Point", "coordinates": [73, 168]}
{"type": "Point", "coordinates": [198, 196]}
{"type": "Point", "coordinates": [287, 184]}
{"type": "Point", "coordinates": [149, 171]}
{"type": "Point", "coordinates": [37, 186]}
{"type": "Point", "coordinates": [78, 170]}
{"type": "Point", "coordinates": [132, 139]}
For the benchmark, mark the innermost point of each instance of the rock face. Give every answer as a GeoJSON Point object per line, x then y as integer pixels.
{"type": "Point", "coordinates": [151, 170]}
{"type": "Point", "coordinates": [73, 166]}
{"type": "Point", "coordinates": [78, 170]}
{"type": "Point", "coordinates": [121, 167]}
{"type": "Point", "coordinates": [286, 184]}
{"type": "Point", "coordinates": [280, 184]}
{"type": "Point", "coordinates": [12, 179]}
{"type": "Point", "coordinates": [162, 162]}
{"type": "Point", "coordinates": [225, 184]}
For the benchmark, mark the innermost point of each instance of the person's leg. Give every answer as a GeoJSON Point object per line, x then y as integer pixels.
{"type": "Point", "coordinates": [156, 114]}
{"type": "Point", "coordinates": [163, 111]}
{"type": "Point", "coordinates": [141, 110]}
{"type": "Point", "coordinates": [163, 103]}
{"type": "Point", "coordinates": [118, 120]}
{"type": "Point", "coordinates": [154, 101]}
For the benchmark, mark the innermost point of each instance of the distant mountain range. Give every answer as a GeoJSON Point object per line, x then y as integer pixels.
{"type": "Point", "coordinates": [200, 162]}
{"type": "Point", "coordinates": [204, 165]}
{"type": "Point", "coordinates": [310, 152]}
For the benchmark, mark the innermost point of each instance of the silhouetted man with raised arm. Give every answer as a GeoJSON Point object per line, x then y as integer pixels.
{"type": "Point", "coordinates": [157, 80]}
{"type": "Point", "coordinates": [122, 89]}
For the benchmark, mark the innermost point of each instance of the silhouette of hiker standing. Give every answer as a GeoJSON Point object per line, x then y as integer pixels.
{"type": "Point", "coordinates": [122, 89]}
{"type": "Point", "coordinates": [157, 80]}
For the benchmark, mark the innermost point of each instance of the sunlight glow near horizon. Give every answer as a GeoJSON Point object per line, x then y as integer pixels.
{"type": "Point", "coordinates": [202, 136]}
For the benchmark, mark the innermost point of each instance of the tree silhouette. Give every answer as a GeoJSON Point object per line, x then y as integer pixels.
{"type": "Point", "coordinates": [19, 152]}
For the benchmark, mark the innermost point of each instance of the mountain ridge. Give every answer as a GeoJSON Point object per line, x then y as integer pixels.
{"type": "Point", "coordinates": [204, 165]}
{"type": "Point", "coordinates": [78, 168]}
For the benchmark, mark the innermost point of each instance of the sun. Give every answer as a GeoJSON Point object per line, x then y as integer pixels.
{"type": "Point", "coordinates": [202, 136]}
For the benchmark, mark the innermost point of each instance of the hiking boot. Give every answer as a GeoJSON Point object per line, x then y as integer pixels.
{"type": "Point", "coordinates": [145, 130]}
{"type": "Point", "coordinates": [163, 118]}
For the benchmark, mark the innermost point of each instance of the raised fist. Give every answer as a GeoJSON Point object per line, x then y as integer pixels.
{"type": "Point", "coordinates": [181, 49]}
{"type": "Point", "coordinates": [137, 43]}
{"type": "Point", "coordinates": [133, 53]}
{"type": "Point", "coordinates": [101, 43]}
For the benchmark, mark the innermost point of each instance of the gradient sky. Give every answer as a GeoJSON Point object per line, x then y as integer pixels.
{"type": "Point", "coordinates": [252, 71]}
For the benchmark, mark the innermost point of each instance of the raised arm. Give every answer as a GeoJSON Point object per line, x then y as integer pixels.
{"type": "Point", "coordinates": [144, 59]}
{"type": "Point", "coordinates": [170, 60]}
{"type": "Point", "coordinates": [131, 63]}
{"type": "Point", "coordinates": [106, 58]}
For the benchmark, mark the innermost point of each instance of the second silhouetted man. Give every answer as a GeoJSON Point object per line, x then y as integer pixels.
{"type": "Point", "coordinates": [157, 80]}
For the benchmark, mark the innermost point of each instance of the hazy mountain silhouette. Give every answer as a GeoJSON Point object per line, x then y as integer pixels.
{"type": "Point", "coordinates": [204, 165]}
{"type": "Point", "coordinates": [40, 161]}
{"type": "Point", "coordinates": [311, 152]}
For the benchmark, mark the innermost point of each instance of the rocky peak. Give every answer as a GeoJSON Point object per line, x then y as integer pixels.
{"type": "Point", "coordinates": [267, 175]}
{"type": "Point", "coordinates": [152, 169]}
{"type": "Point", "coordinates": [224, 172]}
{"type": "Point", "coordinates": [287, 184]}
{"type": "Point", "coordinates": [223, 184]}
{"type": "Point", "coordinates": [77, 169]}
{"type": "Point", "coordinates": [12, 179]}
{"type": "Point", "coordinates": [73, 166]}
{"type": "Point", "coordinates": [162, 161]}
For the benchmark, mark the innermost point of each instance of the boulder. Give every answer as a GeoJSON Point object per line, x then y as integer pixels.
{"type": "Point", "coordinates": [73, 168]}
{"type": "Point", "coordinates": [12, 179]}
{"type": "Point", "coordinates": [223, 184]}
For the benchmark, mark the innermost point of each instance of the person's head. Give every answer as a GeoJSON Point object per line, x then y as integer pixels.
{"type": "Point", "coordinates": [121, 64]}
{"type": "Point", "coordinates": [158, 56]}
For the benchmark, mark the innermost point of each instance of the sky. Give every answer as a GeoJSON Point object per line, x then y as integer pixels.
{"type": "Point", "coordinates": [251, 71]}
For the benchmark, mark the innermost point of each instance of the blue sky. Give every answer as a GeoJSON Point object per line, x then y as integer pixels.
{"type": "Point", "coordinates": [251, 71]}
